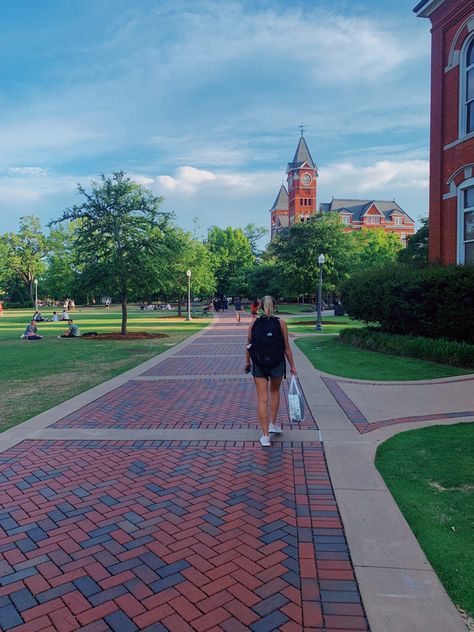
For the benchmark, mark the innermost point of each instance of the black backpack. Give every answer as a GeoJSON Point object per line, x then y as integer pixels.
{"type": "Point", "coordinates": [267, 347]}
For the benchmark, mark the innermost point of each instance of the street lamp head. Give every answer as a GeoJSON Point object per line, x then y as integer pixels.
{"type": "Point", "coordinates": [35, 281]}
{"type": "Point", "coordinates": [188, 273]}
{"type": "Point", "coordinates": [321, 259]}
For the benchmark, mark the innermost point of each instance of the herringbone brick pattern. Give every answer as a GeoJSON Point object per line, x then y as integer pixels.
{"type": "Point", "coordinates": [172, 539]}
{"type": "Point", "coordinates": [200, 366]}
{"type": "Point", "coordinates": [203, 403]}
{"type": "Point", "coordinates": [180, 535]}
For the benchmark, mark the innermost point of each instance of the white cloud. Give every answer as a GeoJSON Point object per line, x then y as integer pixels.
{"type": "Point", "coordinates": [348, 177]}
{"type": "Point", "coordinates": [28, 171]}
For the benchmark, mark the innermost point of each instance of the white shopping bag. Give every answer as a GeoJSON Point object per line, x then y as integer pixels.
{"type": "Point", "coordinates": [295, 401]}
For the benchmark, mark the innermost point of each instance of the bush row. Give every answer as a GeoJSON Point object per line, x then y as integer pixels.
{"type": "Point", "coordinates": [440, 350]}
{"type": "Point", "coordinates": [434, 301]}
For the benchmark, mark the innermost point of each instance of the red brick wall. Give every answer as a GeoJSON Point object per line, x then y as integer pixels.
{"type": "Point", "coordinates": [446, 22]}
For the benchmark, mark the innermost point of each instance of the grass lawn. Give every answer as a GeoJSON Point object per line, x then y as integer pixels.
{"type": "Point", "coordinates": [430, 473]}
{"type": "Point", "coordinates": [331, 324]}
{"type": "Point", "coordinates": [332, 356]}
{"type": "Point", "coordinates": [36, 375]}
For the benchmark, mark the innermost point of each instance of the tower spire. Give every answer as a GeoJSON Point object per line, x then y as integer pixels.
{"type": "Point", "coordinates": [302, 127]}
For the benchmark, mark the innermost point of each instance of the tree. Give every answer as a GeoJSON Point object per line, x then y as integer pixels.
{"type": "Point", "coordinates": [254, 234]}
{"type": "Point", "coordinates": [265, 278]}
{"type": "Point", "coordinates": [118, 236]}
{"type": "Point", "coordinates": [374, 247]}
{"type": "Point", "coordinates": [185, 252]}
{"type": "Point", "coordinates": [62, 277]}
{"type": "Point", "coordinates": [416, 252]}
{"type": "Point", "coordinates": [297, 249]}
{"type": "Point", "coordinates": [26, 251]}
{"type": "Point", "coordinates": [231, 251]}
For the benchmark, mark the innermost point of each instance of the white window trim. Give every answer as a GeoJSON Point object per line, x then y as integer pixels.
{"type": "Point", "coordinates": [460, 220]}
{"type": "Point", "coordinates": [463, 133]}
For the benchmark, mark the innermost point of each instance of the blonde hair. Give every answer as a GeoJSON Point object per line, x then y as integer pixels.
{"type": "Point", "coordinates": [268, 305]}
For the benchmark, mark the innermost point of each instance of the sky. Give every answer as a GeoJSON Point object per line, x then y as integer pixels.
{"type": "Point", "coordinates": [201, 101]}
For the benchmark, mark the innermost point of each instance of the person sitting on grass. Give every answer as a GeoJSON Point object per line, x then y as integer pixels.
{"type": "Point", "coordinates": [54, 317]}
{"type": "Point", "coordinates": [72, 331]}
{"type": "Point", "coordinates": [31, 332]}
{"type": "Point", "coordinates": [38, 317]}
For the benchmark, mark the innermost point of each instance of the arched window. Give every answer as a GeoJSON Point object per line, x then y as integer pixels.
{"type": "Point", "coordinates": [467, 88]}
{"type": "Point", "coordinates": [466, 223]}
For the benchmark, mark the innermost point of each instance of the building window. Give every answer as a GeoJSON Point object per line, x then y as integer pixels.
{"type": "Point", "coordinates": [467, 88]}
{"type": "Point", "coordinates": [373, 219]}
{"type": "Point", "coordinates": [398, 221]}
{"type": "Point", "coordinates": [466, 226]}
{"type": "Point", "coordinates": [346, 219]}
{"type": "Point", "coordinates": [301, 201]}
{"type": "Point", "coordinates": [310, 202]}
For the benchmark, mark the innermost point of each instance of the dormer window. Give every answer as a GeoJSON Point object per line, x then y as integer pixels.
{"type": "Point", "coordinates": [398, 221]}
{"type": "Point", "coordinates": [467, 88]}
{"type": "Point", "coordinates": [373, 219]}
{"type": "Point", "coordinates": [346, 219]}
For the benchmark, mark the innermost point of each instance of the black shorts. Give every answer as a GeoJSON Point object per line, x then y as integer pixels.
{"type": "Point", "coordinates": [275, 372]}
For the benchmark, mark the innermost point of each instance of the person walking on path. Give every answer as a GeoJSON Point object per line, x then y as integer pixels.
{"type": "Point", "coordinates": [265, 353]}
{"type": "Point", "coordinates": [238, 309]}
{"type": "Point", "coordinates": [254, 307]}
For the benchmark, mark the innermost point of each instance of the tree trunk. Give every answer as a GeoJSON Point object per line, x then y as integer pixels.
{"type": "Point", "coordinates": [123, 300]}
{"type": "Point", "coordinates": [179, 304]}
{"type": "Point", "coordinates": [30, 290]}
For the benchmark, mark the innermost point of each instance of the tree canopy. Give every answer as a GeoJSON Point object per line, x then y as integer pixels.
{"type": "Point", "coordinates": [119, 236]}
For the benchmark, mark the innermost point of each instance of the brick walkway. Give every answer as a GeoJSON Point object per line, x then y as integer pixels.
{"type": "Point", "coordinates": [181, 534]}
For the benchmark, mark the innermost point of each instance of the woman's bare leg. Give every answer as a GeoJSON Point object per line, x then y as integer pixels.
{"type": "Point", "coordinates": [262, 397]}
{"type": "Point", "coordinates": [275, 384]}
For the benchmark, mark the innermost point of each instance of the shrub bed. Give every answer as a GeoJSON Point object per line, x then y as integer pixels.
{"type": "Point", "coordinates": [433, 302]}
{"type": "Point", "coordinates": [439, 350]}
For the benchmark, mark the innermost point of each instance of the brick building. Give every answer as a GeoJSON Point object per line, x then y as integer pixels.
{"type": "Point", "coordinates": [298, 202]}
{"type": "Point", "coordinates": [386, 214]}
{"type": "Point", "coordinates": [452, 129]}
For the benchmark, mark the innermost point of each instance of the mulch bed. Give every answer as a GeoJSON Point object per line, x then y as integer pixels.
{"type": "Point", "coordinates": [309, 322]}
{"type": "Point", "coordinates": [134, 335]}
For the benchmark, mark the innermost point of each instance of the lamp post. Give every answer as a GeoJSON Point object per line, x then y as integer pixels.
{"type": "Point", "coordinates": [36, 294]}
{"type": "Point", "coordinates": [188, 274]}
{"type": "Point", "coordinates": [321, 260]}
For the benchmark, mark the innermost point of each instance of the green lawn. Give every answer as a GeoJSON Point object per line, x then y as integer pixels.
{"type": "Point", "coordinates": [36, 375]}
{"type": "Point", "coordinates": [430, 473]}
{"type": "Point", "coordinates": [331, 324]}
{"type": "Point", "coordinates": [332, 356]}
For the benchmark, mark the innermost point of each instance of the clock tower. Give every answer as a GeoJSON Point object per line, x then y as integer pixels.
{"type": "Point", "coordinates": [302, 174]}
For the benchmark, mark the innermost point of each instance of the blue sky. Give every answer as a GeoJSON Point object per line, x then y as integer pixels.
{"type": "Point", "coordinates": [201, 101]}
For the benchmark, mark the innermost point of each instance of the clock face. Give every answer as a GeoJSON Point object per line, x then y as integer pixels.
{"type": "Point", "coordinates": [306, 179]}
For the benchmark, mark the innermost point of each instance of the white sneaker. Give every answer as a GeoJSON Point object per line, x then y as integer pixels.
{"type": "Point", "coordinates": [274, 428]}
{"type": "Point", "coordinates": [265, 441]}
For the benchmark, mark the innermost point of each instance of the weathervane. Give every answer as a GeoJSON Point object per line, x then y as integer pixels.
{"type": "Point", "coordinates": [302, 129]}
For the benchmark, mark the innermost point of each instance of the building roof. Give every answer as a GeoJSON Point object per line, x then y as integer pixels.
{"type": "Point", "coordinates": [426, 7]}
{"type": "Point", "coordinates": [302, 155]}
{"type": "Point", "coordinates": [358, 208]}
{"type": "Point", "coordinates": [281, 202]}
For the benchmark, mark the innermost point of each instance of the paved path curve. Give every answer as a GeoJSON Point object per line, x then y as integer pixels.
{"type": "Point", "coordinates": [147, 503]}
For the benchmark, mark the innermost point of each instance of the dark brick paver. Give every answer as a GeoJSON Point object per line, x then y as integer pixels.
{"type": "Point", "coordinates": [174, 535]}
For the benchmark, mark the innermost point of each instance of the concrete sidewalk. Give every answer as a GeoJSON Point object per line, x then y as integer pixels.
{"type": "Point", "coordinates": [148, 503]}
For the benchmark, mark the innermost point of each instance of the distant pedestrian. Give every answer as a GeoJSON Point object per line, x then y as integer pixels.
{"type": "Point", "coordinates": [107, 303]}
{"type": "Point", "coordinates": [265, 354]}
{"type": "Point", "coordinates": [254, 307]}
{"type": "Point", "coordinates": [238, 309]}
{"type": "Point", "coordinates": [1, 308]}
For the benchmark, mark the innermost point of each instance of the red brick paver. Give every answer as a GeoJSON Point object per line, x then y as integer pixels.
{"type": "Point", "coordinates": [173, 535]}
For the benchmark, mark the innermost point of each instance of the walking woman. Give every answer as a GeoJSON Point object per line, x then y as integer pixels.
{"type": "Point", "coordinates": [265, 353]}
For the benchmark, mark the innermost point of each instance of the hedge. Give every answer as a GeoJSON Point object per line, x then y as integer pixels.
{"type": "Point", "coordinates": [439, 350]}
{"type": "Point", "coordinates": [433, 302]}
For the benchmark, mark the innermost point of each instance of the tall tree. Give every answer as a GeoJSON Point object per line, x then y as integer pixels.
{"type": "Point", "coordinates": [27, 250]}
{"type": "Point", "coordinates": [185, 252]}
{"type": "Point", "coordinates": [254, 234]}
{"type": "Point", "coordinates": [297, 250]}
{"type": "Point", "coordinates": [416, 252]}
{"type": "Point", "coordinates": [231, 250]}
{"type": "Point", "coordinates": [374, 247]}
{"type": "Point", "coordinates": [119, 235]}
